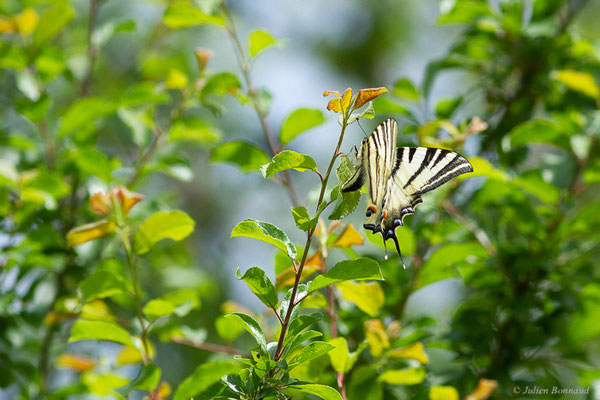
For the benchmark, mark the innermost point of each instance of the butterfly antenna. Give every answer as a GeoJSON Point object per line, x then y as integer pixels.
{"type": "Point", "coordinates": [358, 121]}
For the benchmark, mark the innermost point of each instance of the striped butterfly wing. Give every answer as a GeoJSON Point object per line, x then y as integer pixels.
{"type": "Point", "coordinates": [417, 170]}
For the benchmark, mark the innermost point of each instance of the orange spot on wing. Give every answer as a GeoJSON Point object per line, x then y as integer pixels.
{"type": "Point", "coordinates": [372, 208]}
{"type": "Point", "coordinates": [384, 214]}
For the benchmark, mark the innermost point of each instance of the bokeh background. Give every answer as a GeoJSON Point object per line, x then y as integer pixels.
{"type": "Point", "coordinates": [475, 325]}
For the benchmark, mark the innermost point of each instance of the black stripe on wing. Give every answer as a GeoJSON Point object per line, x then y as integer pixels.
{"type": "Point", "coordinates": [455, 167]}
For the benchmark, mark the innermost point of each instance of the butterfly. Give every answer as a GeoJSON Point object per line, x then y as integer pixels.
{"type": "Point", "coordinates": [398, 176]}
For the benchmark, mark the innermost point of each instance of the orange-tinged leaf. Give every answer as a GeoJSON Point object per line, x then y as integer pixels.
{"type": "Point", "coordinates": [365, 95]}
{"type": "Point", "coordinates": [125, 197]}
{"type": "Point", "coordinates": [54, 317]}
{"type": "Point", "coordinates": [333, 92]}
{"type": "Point", "coordinates": [287, 277]}
{"type": "Point", "coordinates": [415, 351]}
{"type": "Point", "coordinates": [349, 237]}
{"type": "Point", "coordinates": [315, 260]}
{"type": "Point", "coordinates": [346, 99]}
{"type": "Point", "coordinates": [203, 56]}
{"type": "Point", "coordinates": [484, 389]}
{"type": "Point", "coordinates": [129, 355]}
{"type": "Point", "coordinates": [377, 337]}
{"type": "Point", "coordinates": [163, 390]}
{"type": "Point", "coordinates": [76, 362]}
{"type": "Point", "coordinates": [100, 204]}
{"type": "Point", "coordinates": [7, 25]}
{"type": "Point", "coordinates": [334, 105]}
{"type": "Point", "coordinates": [87, 232]}
{"type": "Point", "coordinates": [26, 21]}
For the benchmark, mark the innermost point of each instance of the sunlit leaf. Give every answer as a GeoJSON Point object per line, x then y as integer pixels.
{"type": "Point", "coordinates": [443, 393]}
{"type": "Point", "coordinates": [415, 351]}
{"type": "Point", "coordinates": [147, 379]}
{"type": "Point", "coordinates": [346, 99]}
{"type": "Point", "coordinates": [347, 270]}
{"type": "Point", "coordinates": [129, 355]}
{"type": "Point", "coordinates": [300, 121]}
{"type": "Point", "coordinates": [76, 362]}
{"type": "Point", "coordinates": [267, 233]}
{"type": "Point", "coordinates": [258, 41]}
{"type": "Point", "coordinates": [52, 22]}
{"type": "Point", "coordinates": [288, 159]}
{"type": "Point", "coordinates": [409, 376]}
{"type": "Point", "coordinates": [579, 81]}
{"type": "Point", "coordinates": [175, 225]}
{"type": "Point", "coordinates": [221, 84]}
{"type": "Point", "coordinates": [484, 390]}
{"type": "Point", "coordinates": [377, 337]}
{"type": "Point", "coordinates": [366, 95]}
{"type": "Point", "coordinates": [367, 296]}
{"type": "Point", "coordinates": [99, 330]}
{"type": "Point", "coordinates": [348, 201]}
{"type": "Point", "coordinates": [260, 284]}
{"type": "Point", "coordinates": [101, 284]}
{"type": "Point", "coordinates": [246, 156]}
{"type": "Point", "coordinates": [342, 360]}
{"type": "Point", "coordinates": [321, 391]}
{"type": "Point", "coordinates": [311, 351]}
{"type": "Point", "coordinates": [203, 377]}
{"type": "Point", "coordinates": [228, 329]}
{"type": "Point", "coordinates": [103, 384]}
{"type": "Point", "coordinates": [176, 79]}
{"type": "Point", "coordinates": [92, 231]}
{"type": "Point", "coordinates": [539, 131]}
{"type": "Point", "coordinates": [194, 130]}
{"type": "Point", "coordinates": [334, 105]}
{"type": "Point", "coordinates": [404, 88]}
{"type": "Point", "coordinates": [349, 237]}
{"type": "Point", "coordinates": [182, 14]}
{"type": "Point", "coordinates": [251, 326]}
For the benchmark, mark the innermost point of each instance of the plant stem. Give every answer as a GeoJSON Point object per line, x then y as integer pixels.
{"type": "Point", "coordinates": [136, 293]}
{"type": "Point", "coordinates": [309, 237]}
{"type": "Point", "coordinates": [260, 112]}
{"type": "Point", "coordinates": [214, 348]}
{"type": "Point", "coordinates": [92, 51]}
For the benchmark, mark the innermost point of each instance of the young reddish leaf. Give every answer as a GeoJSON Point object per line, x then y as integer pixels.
{"type": "Point", "coordinates": [483, 390]}
{"type": "Point", "coordinates": [334, 105]}
{"type": "Point", "coordinates": [365, 95]}
{"type": "Point", "coordinates": [203, 56]}
{"type": "Point", "coordinates": [100, 204]}
{"type": "Point", "coordinates": [349, 237]}
{"type": "Point", "coordinates": [87, 232]}
{"type": "Point", "coordinates": [333, 92]}
{"type": "Point", "coordinates": [76, 362]}
{"type": "Point", "coordinates": [346, 99]}
{"type": "Point", "coordinates": [476, 125]}
{"type": "Point", "coordinates": [125, 198]}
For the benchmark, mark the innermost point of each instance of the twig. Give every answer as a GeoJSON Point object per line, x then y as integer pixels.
{"type": "Point", "coordinates": [215, 348]}
{"type": "Point", "coordinates": [479, 234]}
{"type": "Point", "coordinates": [92, 51]}
{"type": "Point", "coordinates": [260, 112]}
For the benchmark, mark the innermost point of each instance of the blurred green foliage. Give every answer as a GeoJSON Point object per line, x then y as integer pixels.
{"type": "Point", "coordinates": [96, 109]}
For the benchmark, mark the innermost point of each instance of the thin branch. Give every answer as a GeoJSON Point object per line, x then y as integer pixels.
{"type": "Point", "coordinates": [260, 112]}
{"type": "Point", "coordinates": [214, 348]}
{"type": "Point", "coordinates": [479, 234]}
{"type": "Point", "coordinates": [92, 51]}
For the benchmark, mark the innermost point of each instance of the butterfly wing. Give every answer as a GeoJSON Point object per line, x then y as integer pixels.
{"type": "Point", "coordinates": [377, 156]}
{"type": "Point", "coordinates": [417, 170]}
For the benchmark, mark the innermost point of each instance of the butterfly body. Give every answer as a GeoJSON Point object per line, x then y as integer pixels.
{"type": "Point", "coordinates": [398, 176]}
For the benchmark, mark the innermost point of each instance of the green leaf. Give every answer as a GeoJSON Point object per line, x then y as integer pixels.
{"type": "Point", "coordinates": [443, 393]}
{"type": "Point", "coordinates": [246, 156]}
{"type": "Point", "coordinates": [303, 219]}
{"type": "Point", "coordinates": [267, 233]}
{"type": "Point", "coordinates": [300, 121]}
{"type": "Point", "coordinates": [194, 130]}
{"type": "Point", "coordinates": [100, 285]}
{"type": "Point", "coordinates": [51, 22]}
{"type": "Point", "coordinates": [94, 162]}
{"type": "Point", "coordinates": [259, 40]}
{"type": "Point", "coordinates": [203, 377]}
{"type": "Point", "coordinates": [298, 325]}
{"type": "Point", "coordinates": [347, 202]}
{"type": "Point", "coordinates": [578, 81]}
{"type": "Point", "coordinates": [404, 88]}
{"type": "Point", "coordinates": [446, 107]}
{"type": "Point", "coordinates": [311, 351]}
{"type": "Point", "coordinates": [251, 326]}
{"type": "Point", "coordinates": [342, 360]}
{"type": "Point", "coordinates": [299, 339]}
{"type": "Point", "coordinates": [228, 329]}
{"type": "Point", "coordinates": [221, 84]}
{"type": "Point", "coordinates": [261, 286]}
{"type": "Point", "coordinates": [368, 296]}
{"type": "Point", "coordinates": [182, 14]}
{"type": "Point", "coordinates": [443, 262]}
{"type": "Point", "coordinates": [99, 330]}
{"type": "Point", "coordinates": [409, 376]}
{"type": "Point", "coordinates": [539, 131]}
{"type": "Point", "coordinates": [179, 302]}
{"type": "Point", "coordinates": [288, 159]}
{"type": "Point", "coordinates": [347, 270]}
{"type": "Point", "coordinates": [322, 391]}
{"type": "Point", "coordinates": [148, 378]}
{"type": "Point", "coordinates": [175, 225]}
{"type": "Point", "coordinates": [82, 113]}
{"type": "Point", "coordinates": [367, 112]}
{"type": "Point", "coordinates": [406, 238]}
